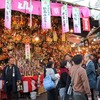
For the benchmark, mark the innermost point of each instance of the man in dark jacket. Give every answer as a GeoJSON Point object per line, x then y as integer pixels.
{"type": "Point", "coordinates": [91, 73]}
{"type": "Point", "coordinates": [11, 77]}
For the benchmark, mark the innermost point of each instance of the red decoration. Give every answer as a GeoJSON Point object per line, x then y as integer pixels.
{"type": "Point", "coordinates": [86, 24]}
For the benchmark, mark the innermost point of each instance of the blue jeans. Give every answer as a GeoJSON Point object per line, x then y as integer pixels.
{"type": "Point", "coordinates": [79, 96]}
{"type": "Point", "coordinates": [63, 95]}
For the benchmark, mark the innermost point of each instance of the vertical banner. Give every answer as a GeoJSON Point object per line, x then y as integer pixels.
{"type": "Point", "coordinates": [46, 14]}
{"type": "Point", "coordinates": [27, 51]}
{"type": "Point", "coordinates": [76, 20]}
{"type": "Point", "coordinates": [64, 16]}
{"type": "Point", "coordinates": [8, 14]}
{"type": "Point", "coordinates": [86, 24]}
{"type": "Point", "coordinates": [31, 9]}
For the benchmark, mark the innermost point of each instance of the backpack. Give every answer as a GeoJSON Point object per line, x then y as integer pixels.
{"type": "Point", "coordinates": [48, 83]}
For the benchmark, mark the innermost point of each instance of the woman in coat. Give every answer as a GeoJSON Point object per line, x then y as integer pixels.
{"type": "Point", "coordinates": [64, 81]}
{"type": "Point", "coordinates": [52, 94]}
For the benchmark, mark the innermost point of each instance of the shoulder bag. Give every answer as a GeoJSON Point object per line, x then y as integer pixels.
{"type": "Point", "coordinates": [70, 88]}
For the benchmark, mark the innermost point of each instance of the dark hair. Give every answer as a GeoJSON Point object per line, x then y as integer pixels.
{"type": "Point", "coordinates": [77, 59]}
{"type": "Point", "coordinates": [49, 58]}
{"type": "Point", "coordinates": [63, 64]}
{"type": "Point", "coordinates": [49, 64]}
{"type": "Point", "coordinates": [68, 55]}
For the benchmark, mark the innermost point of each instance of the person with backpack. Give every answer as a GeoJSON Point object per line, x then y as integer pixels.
{"type": "Point", "coordinates": [64, 81]}
{"type": "Point", "coordinates": [50, 73]}
{"type": "Point", "coordinates": [79, 79]}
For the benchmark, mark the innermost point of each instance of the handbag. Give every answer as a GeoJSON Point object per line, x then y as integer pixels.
{"type": "Point", "coordinates": [70, 88]}
{"type": "Point", "coordinates": [20, 87]}
{"type": "Point", "coordinates": [48, 83]}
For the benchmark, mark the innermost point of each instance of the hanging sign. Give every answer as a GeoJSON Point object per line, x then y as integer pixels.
{"type": "Point", "coordinates": [86, 24]}
{"type": "Point", "coordinates": [76, 20]}
{"type": "Point", "coordinates": [46, 14]}
{"type": "Point", "coordinates": [8, 14]}
{"type": "Point", "coordinates": [24, 6]}
{"type": "Point", "coordinates": [27, 51]}
{"type": "Point", "coordinates": [64, 16]}
{"type": "Point", "coordinates": [31, 9]}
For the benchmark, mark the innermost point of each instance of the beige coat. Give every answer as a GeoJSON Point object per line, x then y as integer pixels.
{"type": "Point", "coordinates": [81, 83]}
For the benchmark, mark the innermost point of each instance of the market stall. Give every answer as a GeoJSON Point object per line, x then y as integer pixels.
{"type": "Point", "coordinates": [33, 32]}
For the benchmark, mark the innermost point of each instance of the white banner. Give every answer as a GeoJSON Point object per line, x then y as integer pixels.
{"type": "Point", "coordinates": [76, 20]}
{"type": "Point", "coordinates": [8, 14]}
{"type": "Point", "coordinates": [46, 14]}
{"type": "Point", "coordinates": [65, 21]}
{"type": "Point", "coordinates": [31, 9]}
{"type": "Point", "coordinates": [27, 51]}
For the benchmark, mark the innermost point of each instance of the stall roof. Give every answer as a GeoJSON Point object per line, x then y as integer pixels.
{"type": "Point", "coordinates": [94, 6]}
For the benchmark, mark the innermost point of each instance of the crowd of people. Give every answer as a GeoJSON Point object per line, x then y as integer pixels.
{"type": "Point", "coordinates": [81, 72]}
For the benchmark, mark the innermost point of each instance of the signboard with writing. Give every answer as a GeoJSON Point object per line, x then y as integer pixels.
{"type": "Point", "coordinates": [46, 14]}
{"type": "Point", "coordinates": [86, 24]}
{"type": "Point", "coordinates": [64, 15]}
{"type": "Point", "coordinates": [24, 7]}
{"type": "Point", "coordinates": [31, 9]}
{"type": "Point", "coordinates": [76, 20]}
{"type": "Point", "coordinates": [27, 51]}
{"type": "Point", "coordinates": [8, 14]}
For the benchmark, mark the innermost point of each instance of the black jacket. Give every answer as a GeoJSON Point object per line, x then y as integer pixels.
{"type": "Point", "coordinates": [15, 78]}
{"type": "Point", "coordinates": [64, 81]}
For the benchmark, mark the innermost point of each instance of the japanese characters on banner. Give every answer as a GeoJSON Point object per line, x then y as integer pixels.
{"type": "Point", "coordinates": [64, 15]}
{"type": "Point", "coordinates": [86, 24]}
{"type": "Point", "coordinates": [31, 9]}
{"type": "Point", "coordinates": [8, 14]}
{"type": "Point", "coordinates": [46, 14]}
{"type": "Point", "coordinates": [76, 20]}
{"type": "Point", "coordinates": [24, 7]}
{"type": "Point", "coordinates": [27, 51]}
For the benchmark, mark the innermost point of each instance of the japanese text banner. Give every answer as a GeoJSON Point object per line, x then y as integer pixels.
{"type": "Point", "coordinates": [64, 16]}
{"type": "Point", "coordinates": [76, 20]}
{"type": "Point", "coordinates": [46, 14]}
{"type": "Point", "coordinates": [8, 14]}
{"type": "Point", "coordinates": [27, 51]}
{"type": "Point", "coordinates": [86, 24]}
